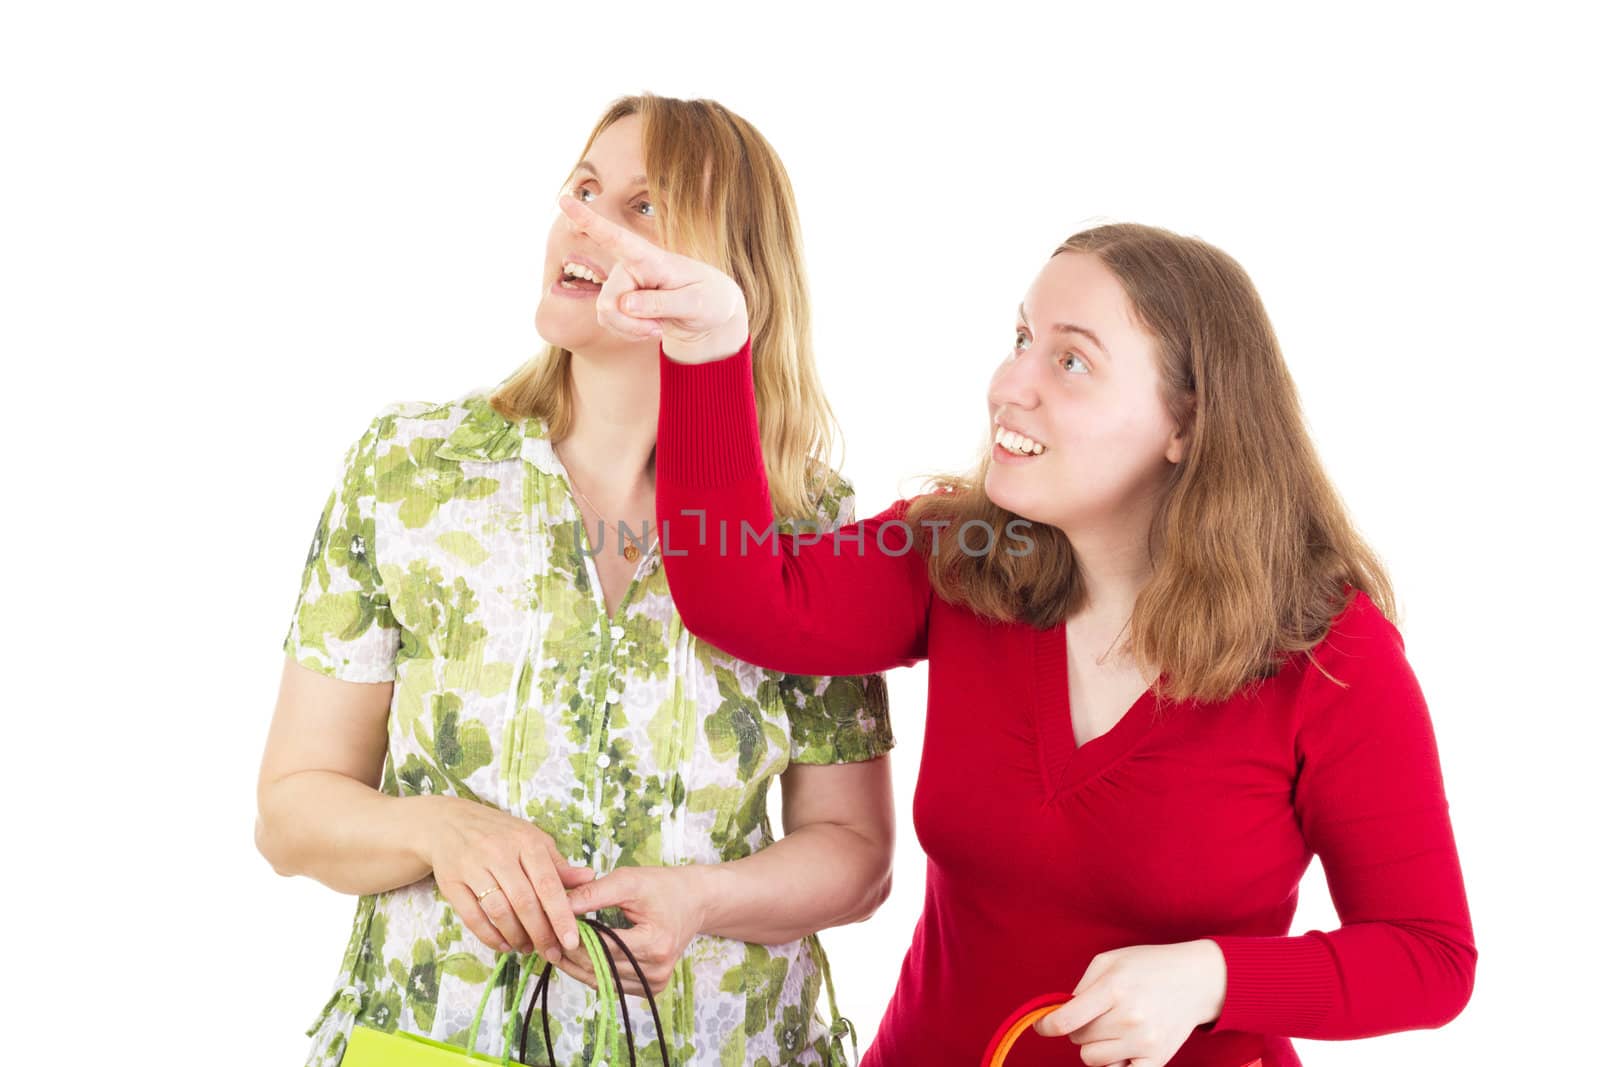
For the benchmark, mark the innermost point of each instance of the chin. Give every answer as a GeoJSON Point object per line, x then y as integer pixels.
{"type": "Point", "coordinates": [1005, 496]}
{"type": "Point", "coordinates": [1022, 504]}
{"type": "Point", "coordinates": [558, 326]}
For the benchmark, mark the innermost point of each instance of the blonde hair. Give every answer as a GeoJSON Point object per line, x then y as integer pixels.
{"type": "Point", "coordinates": [1251, 546]}
{"type": "Point", "coordinates": [722, 196]}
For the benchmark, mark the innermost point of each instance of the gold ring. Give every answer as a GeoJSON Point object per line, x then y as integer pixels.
{"type": "Point", "coordinates": [486, 892]}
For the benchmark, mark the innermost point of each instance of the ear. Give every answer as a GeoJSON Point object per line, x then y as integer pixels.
{"type": "Point", "coordinates": [1178, 441]}
{"type": "Point", "coordinates": [1178, 445]}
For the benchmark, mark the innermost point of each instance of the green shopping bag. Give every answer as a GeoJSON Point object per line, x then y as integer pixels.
{"type": "Point", "coordinates": [379, 1048]}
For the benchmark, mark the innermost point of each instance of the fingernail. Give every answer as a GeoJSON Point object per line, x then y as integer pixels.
{"type": "Point", "coordinates": [571, 941]}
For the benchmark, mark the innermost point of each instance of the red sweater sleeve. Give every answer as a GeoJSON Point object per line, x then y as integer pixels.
{"type": "Point", "coordinates": [1370, 800]}
{"type": "Point", "coordinates": [849, 602]}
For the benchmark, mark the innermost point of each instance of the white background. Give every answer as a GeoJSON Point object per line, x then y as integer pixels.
{"type": "Point", "coordinates": [232, 231]}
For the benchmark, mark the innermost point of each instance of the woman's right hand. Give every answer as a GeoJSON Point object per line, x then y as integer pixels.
{"type": "Point", "coordinates": [474, 848]}
{"type": "Point", "coordinates": [698, 311]}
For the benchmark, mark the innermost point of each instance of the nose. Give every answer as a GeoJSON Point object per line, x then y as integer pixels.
{"type": "Point", "coordinates": [1015, 383]}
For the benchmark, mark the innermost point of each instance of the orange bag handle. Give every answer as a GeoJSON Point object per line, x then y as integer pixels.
{"type": "Point", "coordinates": [1022, 1020]}
{"type": "Point", "coordinates": [1017, 1023]}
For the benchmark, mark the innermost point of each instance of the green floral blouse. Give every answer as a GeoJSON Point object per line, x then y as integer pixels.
{"type": "Point", "coordinates": [451, 560]}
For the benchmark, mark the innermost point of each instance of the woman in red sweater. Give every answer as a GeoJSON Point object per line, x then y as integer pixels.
{"type": "Point", "coordinates": [1163, 671]}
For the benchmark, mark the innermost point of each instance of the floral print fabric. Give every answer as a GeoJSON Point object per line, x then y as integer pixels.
{"type": "Point", "coordinates": [451, 560]}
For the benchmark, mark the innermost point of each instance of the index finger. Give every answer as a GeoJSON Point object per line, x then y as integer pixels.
{"type": "Point", "coordinates": [603, 232]}
{"type": "Point", "coordinates": [541, 871]}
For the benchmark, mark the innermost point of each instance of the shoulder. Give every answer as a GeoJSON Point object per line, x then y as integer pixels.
{"type": "Point", "coordinates": [1359, 666]}
{"type": "Point", "coordinates": [1360, 638]}
{"type": "Point", "coordinates": [837, 505]}
{"type": "Point", "coordinates": [833, 502]}
{"type": "Point", "coordinates": [426, 417]}
{"type": "Point", "coordinates": [467, 422]}
{"type": "Point", "coordinates": [835, 496]}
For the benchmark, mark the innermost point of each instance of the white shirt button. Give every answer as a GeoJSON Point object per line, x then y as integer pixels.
{"type": "Point", "coordinates": [616, 633]}
{"type": "Point", "coordinates": [599, 818]}
{"type": "Point", "coordinates": [604, 760]}
{"type": "Point", "coordinates": [613, 696]}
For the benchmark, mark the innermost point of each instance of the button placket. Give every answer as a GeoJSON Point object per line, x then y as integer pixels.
{"type": "Point", "coordinates": [605, 695]}
{"type": "Point", "coordinates": [514, 732]}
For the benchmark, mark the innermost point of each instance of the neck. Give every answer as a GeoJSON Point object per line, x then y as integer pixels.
{"type": "Point", "coordinates": [1114, 564]}
{"type": "Point", "coordinates": [615, 407]}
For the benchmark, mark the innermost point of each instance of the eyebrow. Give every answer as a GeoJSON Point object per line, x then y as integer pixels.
{"type": "Point", "coordinates": [584, 164]}
{"type": "Point", "coordinates": [1067, 327]}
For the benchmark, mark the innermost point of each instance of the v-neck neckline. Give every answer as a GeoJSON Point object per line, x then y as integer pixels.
{"type": "Point", "coordinates": [593, 571]}
{"type": "Point", "coordinates": [1065, 764]}
{"type": "Point", "coordinates": [598, 590]}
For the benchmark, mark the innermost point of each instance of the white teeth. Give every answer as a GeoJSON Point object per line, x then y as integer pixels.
{"type": "Point", "coordinates": [1016, 443]}
{"type": "Point", "coordinates": [578, 270]}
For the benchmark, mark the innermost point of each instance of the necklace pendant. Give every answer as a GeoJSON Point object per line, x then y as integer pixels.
{"type": "Point", "coordinates": [630, 552]}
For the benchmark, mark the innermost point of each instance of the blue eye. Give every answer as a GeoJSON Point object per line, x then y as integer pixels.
{"type": "Point", "coordinates": [647, 209]}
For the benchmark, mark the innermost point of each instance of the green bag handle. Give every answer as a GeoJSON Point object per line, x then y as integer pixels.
{"type": "Point", "coordinates": [591, 932]}
{"type": "Point", "coordinates": [612, 998]}
{"type": "Point", "coordinates": [841, 1026]}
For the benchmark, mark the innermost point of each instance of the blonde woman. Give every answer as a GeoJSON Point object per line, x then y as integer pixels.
{"type": "Point", "coordinates": [489, 697]}
{"type": "Point", "coordinates": [1163, 671]}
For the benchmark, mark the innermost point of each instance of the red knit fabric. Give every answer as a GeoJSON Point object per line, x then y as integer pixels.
{"type": "Point", "coordinates": [1182, 822]}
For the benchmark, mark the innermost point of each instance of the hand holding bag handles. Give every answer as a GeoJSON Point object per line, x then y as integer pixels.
{"type": "Point", "coordinates": [379, 1048]}
{"type": "Point", "coordinates": [1022, 1020]}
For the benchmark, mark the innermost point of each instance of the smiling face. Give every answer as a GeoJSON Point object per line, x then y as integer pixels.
{"type": "Point", "coordinates": [1082, 436]}
{"type": "Point", "coordinates": [611, 180]}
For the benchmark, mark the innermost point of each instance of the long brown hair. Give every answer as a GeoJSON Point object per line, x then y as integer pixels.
{"type": "Point", "coordinates": [1250, 546]}
{"type": "Point", "coordinates": [722, 196]}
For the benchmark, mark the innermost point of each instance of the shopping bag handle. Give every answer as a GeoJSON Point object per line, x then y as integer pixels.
{"type": "Point", "coordinates": [541, 994]}
{"type": "Point", "coordinates": [1024, 1017]}
{"type": "Point", "coordinates": [999, 1046]}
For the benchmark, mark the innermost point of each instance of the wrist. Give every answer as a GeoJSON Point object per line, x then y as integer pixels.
{"type": "Point", "coordinates": [1214, 967]}
{"type": "Point", "coordinates": [711, 892]}
{"type": "Point", "coordinates": [423, 823]}
{"type": "Point", "coordinates": [715, 346]}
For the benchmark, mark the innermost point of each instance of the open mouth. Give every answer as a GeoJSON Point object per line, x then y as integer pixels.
{"type": "Point", "coordinates": [581, 277]}
{"type": "Point", "coordinates": [1016, 444]}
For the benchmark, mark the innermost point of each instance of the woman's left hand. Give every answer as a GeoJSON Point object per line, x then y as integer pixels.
{"type": "Point", "coordinates": [667, 908]}
{"type": "Point", "coordinates": [697, 310]}
{"type": "Point", "coordinates": [1135, 1007]}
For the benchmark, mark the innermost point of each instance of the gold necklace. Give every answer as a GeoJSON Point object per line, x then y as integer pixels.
{"type": "Point", "coordinates": [1101, 659]}
{"type": "Point", "coordinates": [630, 551]}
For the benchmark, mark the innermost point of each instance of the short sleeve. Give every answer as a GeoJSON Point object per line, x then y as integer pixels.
{"type": "Point", "coordinates": [342, 626]}
{"type": "Point", "coordinates": [842, 719]}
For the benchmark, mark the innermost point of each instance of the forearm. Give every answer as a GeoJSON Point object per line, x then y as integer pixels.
{"type": "Point", "coordinates": [344, 833]}
{"type": "Point", "coordinates": [1361, 980]}
{"type": "Point", "coordinates": [820, 875]}
{"type": "Point", "coordinates": [1370, 800]}
{"type": "Point", "coordinates": [853, 601]}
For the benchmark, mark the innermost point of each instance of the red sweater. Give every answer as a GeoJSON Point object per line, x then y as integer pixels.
{"type": "Point", "coordinates": [1042, 853]}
